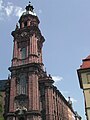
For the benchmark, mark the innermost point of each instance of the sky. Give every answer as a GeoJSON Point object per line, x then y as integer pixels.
{"type": "Point", "coordinates": [65, 25]}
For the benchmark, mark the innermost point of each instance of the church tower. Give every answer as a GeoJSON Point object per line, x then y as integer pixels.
{"type": "Point", "coordinates": [26, 68]}
{"type": "Point", "coordinates": [29, 91]}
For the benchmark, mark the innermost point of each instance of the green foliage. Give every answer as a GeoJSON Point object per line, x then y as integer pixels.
{"type": "Point", "coordinates": [1, 118]}
{"type": "Point", "coordinates": [1, 109]}
{"type": "Point", "coordinates": [0, 94]}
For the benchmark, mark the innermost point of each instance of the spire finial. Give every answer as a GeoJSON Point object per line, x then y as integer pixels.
{"type": "Point", "coordinates": [29, 7]}
{"type": "Point", "coordinates": [69, 101]}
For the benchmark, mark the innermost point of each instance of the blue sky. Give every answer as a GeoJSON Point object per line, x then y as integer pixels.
{"type": "Point", "coordinates": [65, 24]}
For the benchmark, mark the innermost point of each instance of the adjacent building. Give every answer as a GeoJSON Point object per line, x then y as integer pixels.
{"type": "Point", "coordinates": [29, 93]}
{"type": "Point", "coordinates": [84, 80]}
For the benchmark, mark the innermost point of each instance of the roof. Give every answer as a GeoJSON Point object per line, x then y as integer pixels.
{"type": "Point", "coordinates": [86, 63]}
{"type": "Point", "coordinates": [63, 98]}
{"type": "Point", "coordinates": [2, 85]}
{"type": "Point", "coordinates": [85, 67]}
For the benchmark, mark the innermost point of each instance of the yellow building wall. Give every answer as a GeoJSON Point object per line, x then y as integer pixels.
{"type": "Point", "coordinates": [86, 89]}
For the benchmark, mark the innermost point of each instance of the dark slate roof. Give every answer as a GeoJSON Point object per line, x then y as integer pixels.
{"type": "Point", "coordinates": [2, 85]}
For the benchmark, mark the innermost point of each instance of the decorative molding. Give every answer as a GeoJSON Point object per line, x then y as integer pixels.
{"type": "Point", "coordinates": [28, 17]}
{"type": "Point", "coordinates": [17, 34]}
{"type": "Point", "coordinates": [34, 112]}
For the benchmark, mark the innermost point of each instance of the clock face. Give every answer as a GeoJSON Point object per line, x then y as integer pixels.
{"type": "Point", "coordinates": [23, 34]}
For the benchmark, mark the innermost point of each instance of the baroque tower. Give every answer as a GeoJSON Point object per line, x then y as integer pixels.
{"type": "Point", "coordinates": [26, 68]}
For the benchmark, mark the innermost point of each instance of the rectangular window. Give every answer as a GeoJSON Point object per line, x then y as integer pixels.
{"type": "Point", "coordinates": [22, 84]}
{"type": "Point", "coordinates": [23, 53]}
{"type": "Point", "coordinates": [88, 78]}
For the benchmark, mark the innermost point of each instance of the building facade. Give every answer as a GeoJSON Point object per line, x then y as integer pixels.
{"type": "Point", "coordinates": [84, 80]}
{"type": "Point", "coordinates": [29, 91]}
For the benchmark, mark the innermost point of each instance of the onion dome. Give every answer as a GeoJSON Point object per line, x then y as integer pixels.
{"type": "Point", "coordinates": [29, 17]}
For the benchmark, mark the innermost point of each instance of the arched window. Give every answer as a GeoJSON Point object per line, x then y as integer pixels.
{"type": "Point", "coordinates": [22, 84]}
{"type": "Point", "coordinates": [25, 24]}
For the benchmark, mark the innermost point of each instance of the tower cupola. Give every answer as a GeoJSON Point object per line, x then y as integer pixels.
{"type": "Point", "coordinates": [29, 17]}
{"type": "Point", "coordinates": [29, 10]}
{"type": "Point", "coordinates": [29, 7]}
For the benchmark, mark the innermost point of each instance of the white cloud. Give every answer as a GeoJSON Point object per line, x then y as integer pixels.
{"type": "Point", "coordinates": [18, 11]}
{"type": "Point", "coordinates": [9, 9]}
{"type": "Point", "coordinates": [1, 5]}
{"type": "Point", "coordinates": [1, 10]}
{"type": "Point", "coordinates": [57, 78]}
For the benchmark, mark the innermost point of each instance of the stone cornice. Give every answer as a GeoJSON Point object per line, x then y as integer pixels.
{"type": "Point", "coordinates": [27, 68]}
{"type": "Point", "coordinates": [29, 32]}
{"type": "Point", "coordinates": [28, 17]}
{"type": "Point", "coordinates": [34, 112]}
